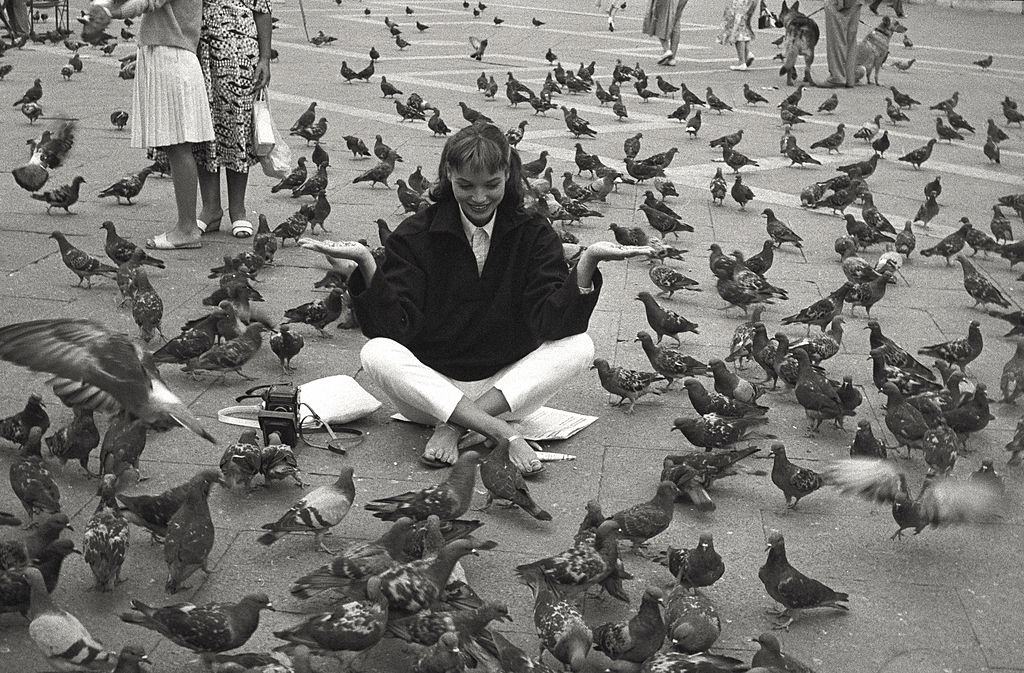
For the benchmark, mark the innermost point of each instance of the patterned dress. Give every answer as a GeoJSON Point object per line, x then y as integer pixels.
{"type": "Point", "coordinates": [229, 54]}
{"type": "Point", "coordinates": [737, 22]}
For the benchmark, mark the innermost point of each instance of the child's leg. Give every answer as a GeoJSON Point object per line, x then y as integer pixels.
{"type": "Point", "coordinates": [741, 52]}
{"type": "Point", "coordinates": [185, 179]}
{"type": "Point", "coordinates": [209, 190]}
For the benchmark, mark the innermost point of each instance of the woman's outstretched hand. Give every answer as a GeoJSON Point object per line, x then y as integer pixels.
{"type": "Point", "coordinates": [352, 250]}
{"type": "Point", "coordinates": [604, 251]}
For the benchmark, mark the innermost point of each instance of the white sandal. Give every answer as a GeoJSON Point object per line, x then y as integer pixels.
{"type": "Point", "coordinates": [241, 229]}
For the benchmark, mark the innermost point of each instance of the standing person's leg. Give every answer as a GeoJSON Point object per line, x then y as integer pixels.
{"type": "Point", "coordinates": [185, 179]}
{"type": "Point", "coordinates": [835, 44]}
{"type": "Point", "coordinates": [241, 227]}
{"type": "Point", "coordinates": [852, 18]}
{"type": "Point", "coordinates": [209, 190]}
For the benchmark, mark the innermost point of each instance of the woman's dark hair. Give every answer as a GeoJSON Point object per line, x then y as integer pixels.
{"type": "Point", "coordinates": [480, 148]}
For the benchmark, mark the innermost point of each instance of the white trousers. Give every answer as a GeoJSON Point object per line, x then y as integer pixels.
{"type": "Point", "coordinates": [428, 397]}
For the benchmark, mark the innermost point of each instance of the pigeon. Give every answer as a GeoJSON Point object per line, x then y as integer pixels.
{"type": "Point", "coordinates": [559, 623]}
{"type": "Point", "coordinates": [816, 394]}
{"type": "Point", "coordinates": [189, 537]}
{"type": "Point", "coordinates": [991, 150]}
{"type": "Point", "coordinates": [63, 640]}
{"type": "Point", "coordinates": [980, 288]}
{"type": "Point", "coordinates": [794, 482]}
{"type": "Point", "coordinates": [798, 156]}
{"type": "Point", "coordinates": [306, 118]}
{"type": "Point", "coordinates": [663, 321]}
{"type": "Point", "coordinates": [448, 500]}
{"type": "Point", "coordinates": [413, 586]}
{"type": "Point", "coordinates": [983, 63]}
{"type": "Point", "coordinates": [715, 432]}
{"type": "Point", "coordinates": [791, 588]}
{"type": "Point", "coordinates": [319, 313]}
{"type": "Point", "coordinates": [231, 355]}
{"type": "Point", "coordinates": [245, 459]}
{"type": "Point", "coordinates": [640, 637]}
{"type": "Point", "coordinates": [705, 402]}
{"type": "Point", "coordinates": [865, 444]}
{"type": "Point", "coordinates": [106, 540]}
{"type": "Point", "coordinates": [204, 629]}
{"type": "Point", "coordinates": [15, 591]}
{"type": "Point", "coordinates": [625, 383]}
{"type": "Point", "coordinates": [31, 95]}
{"type": "Point", "coordinates": [587, 563]}
{"type": "Point", "coordinates": [81, 263]}
{"type": "Point", "coordinates": [17, 554]}
{"type": "Point", "coordinates": [504, 481]}
{"type": "Point", "coordinates": [780, 232]}
{"type": "Point", "coordinates": [643, 521]}
{"type": "Point", "coordinates": [716, 103]}
{"type": "Point", "coordinates": [940, 502]}
{"type": "Point", "coordinates": [751, 96]}
{"type": "Point", "coordinates": [718, 187]}
{"type": "Point", "coordinates": [286, 345]}
{"type": "Point", "coordinates": [920, 155]}
{"type": "Point", "coordinates": [444, 656]}
{"type": "Point", "coordinates": [833, 141]}
{"type": "Point", "coordinates": [731, 385]}
{"type": "Point", "coordinates": [958, 122]}
{"type": "Point", "coordinates": [147, 306]}
{"type": "Point", "coordinates": [678, 662]}
{"type": "Point", "coordinates": [313, 133]}
{"type": "Point", "coordinates": [357, 561]}
{"type": "Point", "coordinates": [351, 627]}
{"type": "Point", "coordinates": [996, 134]}
{"type": "Point", "coordinates": [959, 352]}
{"type": "Point", "coordinates": [669, 362]}
{"type": "Point", "coordinates": [901, 64]}
{"type": "Point", "coordinates": [356, 146]}
{"type": "Point", "coordinates": [120, 250]}
{"type": "Point", "coordinates": [317, 512]}
{"type": "Point", "coordinates": [15, 427]}
{"type": "Point", "coordinates": [698, 567]}
{"type": "Point", "coordinates": [741, 193]}
{"type": "Point", "coordinates": [770, 657]}
{"type": "Point", "coordinates": [154, 512]}
{"type": "Point", "coordinates": [946, 133]}
{"type": "Point", "coordinates": [294, 179]}
{"type": "Point", "coordinates": [881, 144]}
{"type": "Point", "coordinates": [76, 440]}
{"type": "Point", "coordinates": [122, 446]}
{"type": "Point", "coordinates": [128, 187]}
{"type": "Point", "coordinates": [736, 160]}
{"type": "Point", "coordinates": [31, 481]}
{"type": "Point", "coordinates": [629, 236]}
{"type": "Point", "coordinates": [64, 196]}
{"type": "Point", "coordinates": [693, 126]}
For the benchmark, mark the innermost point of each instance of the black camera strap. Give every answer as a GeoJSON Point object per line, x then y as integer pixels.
{"type": "Point", "coordinates": [335, 444]}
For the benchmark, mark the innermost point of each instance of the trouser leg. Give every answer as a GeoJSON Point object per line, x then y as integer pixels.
{"type": "Point", "coordinates": [426, 396]}
{"type": "Point", "coordinates": [529, 383]}
{"type": "Point", "coordinates": [850, 61]}
{"type": "Point", "coordinates": [835, 48]}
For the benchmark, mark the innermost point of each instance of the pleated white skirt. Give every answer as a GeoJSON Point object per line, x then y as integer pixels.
{"type": "Point", "coordinates": [170, 105]}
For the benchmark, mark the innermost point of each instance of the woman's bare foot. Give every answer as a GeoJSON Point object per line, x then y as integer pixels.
{"type": "Point", "coordinates": [523, 455]}
{"type": "Point", "coordinates": [443, 444]}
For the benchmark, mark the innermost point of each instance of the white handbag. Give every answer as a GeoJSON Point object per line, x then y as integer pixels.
{"type": "Point", "coordinates": [264, 137]}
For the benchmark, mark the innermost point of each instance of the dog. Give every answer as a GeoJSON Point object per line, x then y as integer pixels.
{"type": "Point", "coordinates": [873, 50]}
{"type": "Point", "coordinates": [800, 39]}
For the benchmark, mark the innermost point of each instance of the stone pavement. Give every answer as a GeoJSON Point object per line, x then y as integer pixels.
{"type": "Point", "coordinates": [943, 601]}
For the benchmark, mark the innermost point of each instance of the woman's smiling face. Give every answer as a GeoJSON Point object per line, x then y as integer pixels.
{"type": "Point", "coordinates": [478, 193]}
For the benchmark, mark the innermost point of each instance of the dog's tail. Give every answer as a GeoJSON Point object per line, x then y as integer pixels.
{"type": "Point", "coordinates": [790, 50]}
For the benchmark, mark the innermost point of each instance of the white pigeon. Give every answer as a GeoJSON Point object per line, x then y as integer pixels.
{"type": "Point", "coordinates": [59, 635]}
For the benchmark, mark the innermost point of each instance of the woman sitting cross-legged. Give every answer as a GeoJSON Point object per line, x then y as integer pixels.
{"type": "Point", "coordinates": [474, 318]}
